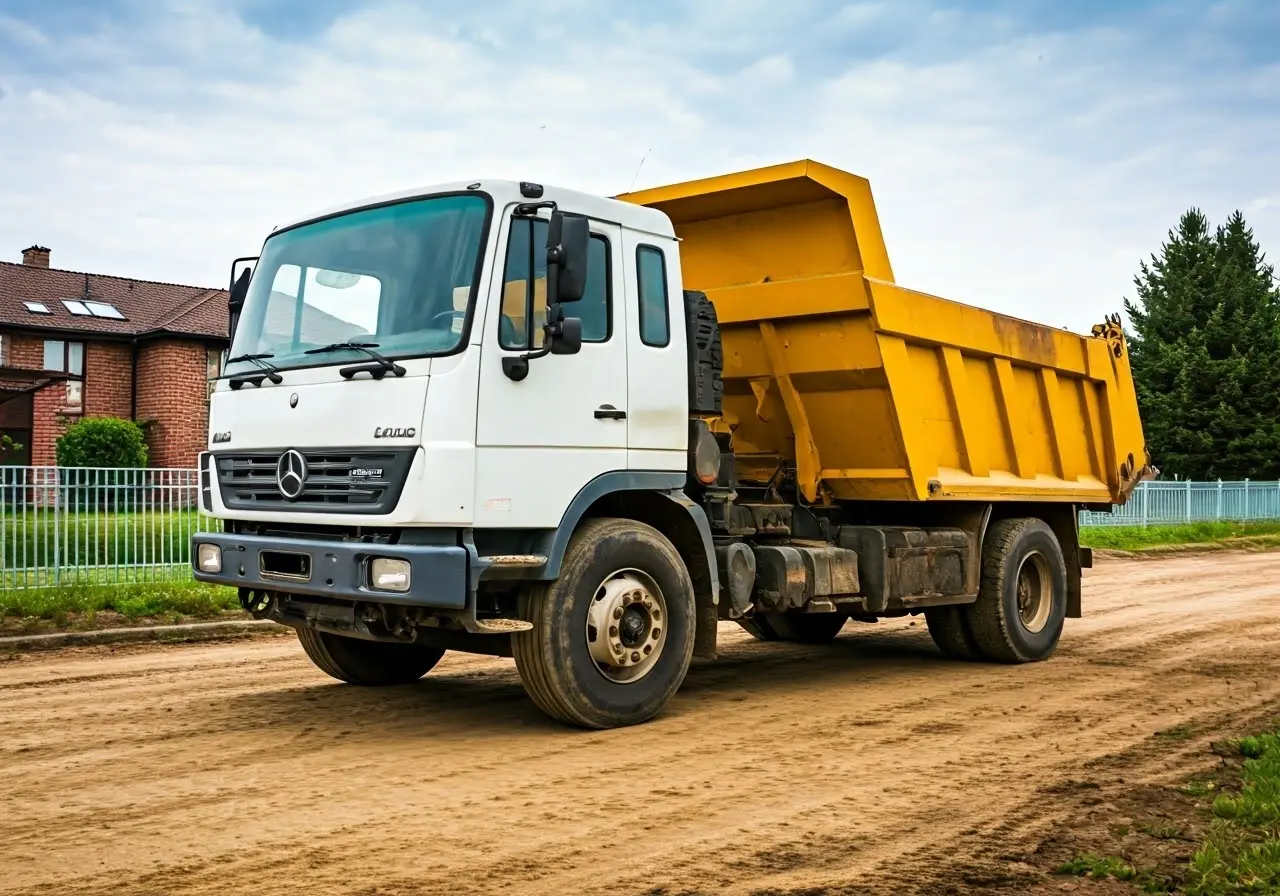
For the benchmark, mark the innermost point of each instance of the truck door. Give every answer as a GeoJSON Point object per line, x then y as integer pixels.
{"type": "Point", "coordinates": [657, 355]}
{"type": "Point", "coordinates": [540, 440]}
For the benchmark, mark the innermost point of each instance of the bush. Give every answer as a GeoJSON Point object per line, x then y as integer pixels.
{"type": "Point", "coordinates": [8, 447]}
{"type": "Point", "coordinates": [102, 442]}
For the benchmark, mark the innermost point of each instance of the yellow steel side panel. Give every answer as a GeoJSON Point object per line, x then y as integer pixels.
{"type": "Point", "coordinates": [981, 374]}
{"type": "Point", "coordinates": [781, 244]}
{"type": "Point", "coordinates": [874, 391]}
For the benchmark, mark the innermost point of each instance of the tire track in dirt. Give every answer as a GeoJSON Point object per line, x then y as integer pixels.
{"type": "Point", "coordinates": [871, 765]}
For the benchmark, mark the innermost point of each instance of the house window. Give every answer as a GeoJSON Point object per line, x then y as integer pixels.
{"type": "Point", "coordinates": [4, 350]}
{"type": "Point", "coordinates": [68, 358]}
{"type": "Point", "coordinates": [524, 297]}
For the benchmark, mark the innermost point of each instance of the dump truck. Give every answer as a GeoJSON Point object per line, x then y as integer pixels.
{"type": "Point", "coordinates": [582, 432]}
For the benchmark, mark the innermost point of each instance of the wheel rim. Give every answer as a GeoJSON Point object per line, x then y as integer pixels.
{"type": "Point", "coordinates": [1035, 592]}
{"type": "Point", "coordinates": [626, 626]}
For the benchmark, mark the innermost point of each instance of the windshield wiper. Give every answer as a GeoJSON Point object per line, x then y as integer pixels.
{"type": "Point", "coordinates": [378, 368]}
{"type": "Point", "coordinates": [259, 360]}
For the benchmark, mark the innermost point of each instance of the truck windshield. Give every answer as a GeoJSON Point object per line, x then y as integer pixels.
{"type": "Point", "coordinates": [398, 277]}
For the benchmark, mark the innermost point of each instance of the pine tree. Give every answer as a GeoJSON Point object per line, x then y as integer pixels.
{"type": "Point", "coordinates": [1206, 353]}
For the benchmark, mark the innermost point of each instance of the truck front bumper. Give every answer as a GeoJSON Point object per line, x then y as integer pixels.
{"type": "Point", "coordinates": [438, 572]}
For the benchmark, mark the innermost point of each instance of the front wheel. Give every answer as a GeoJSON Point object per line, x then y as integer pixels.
{"type": "Point", "coordinates": [357, 661]}
{"type": "Point", "coordinates": [612, 637]}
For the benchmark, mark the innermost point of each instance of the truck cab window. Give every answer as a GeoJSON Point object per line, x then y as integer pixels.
{"type": "Point", "coordinates": [399, 275]}
{"type": "Point", "coordinates": [524, 289]}
{"type": "Point", "coordinates": [651, 275]}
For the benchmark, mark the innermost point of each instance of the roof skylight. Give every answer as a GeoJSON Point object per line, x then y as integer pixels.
{"type": "Point", "coordinates": [77, 307]}
{"type": "Point", "coordinates": [103, 309]}
{"type": "Point", "coordinates": [37, 308]}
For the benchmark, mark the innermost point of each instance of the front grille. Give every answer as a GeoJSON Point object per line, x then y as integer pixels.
{"type": "Point", "coordinates": [338, 480]}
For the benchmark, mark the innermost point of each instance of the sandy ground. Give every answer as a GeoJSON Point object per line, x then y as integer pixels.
{"type": "Point", "coordinates": [871, 765]}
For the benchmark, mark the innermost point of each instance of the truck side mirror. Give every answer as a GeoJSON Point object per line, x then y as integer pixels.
{"type": "Point", "coordinates": [568, 338]}
{"type": "Point", "coordinates": [235, 302]}
{"type": "Point", "coordinates": [568, 241]}
{"type": "Point", "coordinates": [568, 237]}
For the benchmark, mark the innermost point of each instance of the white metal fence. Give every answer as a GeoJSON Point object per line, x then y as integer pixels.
{"type": "Point", "coordinates": [91, 525]}
{"type": "Point", "coordinates": [1166, 503]}
{"type": "Point", "coordinates": [61, 526]}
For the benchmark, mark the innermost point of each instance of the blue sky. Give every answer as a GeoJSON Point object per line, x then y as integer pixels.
{"type": "Point", "coordinates": [1024, 155]}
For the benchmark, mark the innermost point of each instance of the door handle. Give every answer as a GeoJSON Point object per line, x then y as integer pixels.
{"type": "Point", "coordinates": [609, 412]}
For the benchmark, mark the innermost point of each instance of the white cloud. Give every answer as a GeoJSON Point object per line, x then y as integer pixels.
{"type": "Point", "coordinates": [1027, 172]}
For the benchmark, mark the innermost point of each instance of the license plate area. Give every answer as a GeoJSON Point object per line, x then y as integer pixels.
{"type": "Point", "coordinates": [294, 566]}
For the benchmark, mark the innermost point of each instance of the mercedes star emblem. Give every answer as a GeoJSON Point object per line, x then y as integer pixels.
{"type": "Point", "coordinates": [291, 474]}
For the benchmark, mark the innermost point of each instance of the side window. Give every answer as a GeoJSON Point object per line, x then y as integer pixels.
{"type": "Point", "coordinates": [524, 289]}
{"type": "Point", "coordinates": [651, 275]}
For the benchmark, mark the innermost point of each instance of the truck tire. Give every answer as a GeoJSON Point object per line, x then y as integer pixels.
{"type": "Point", "coordinates": [1022, 602]}
{"type": "Point", "coordinates": [950, 631]}
{"type": "Point", "coordinates": [800, 628]}
{"type": "Point", "coordinates": [370, 663]}
{"type": "Point", "coordinates": [612, 637]}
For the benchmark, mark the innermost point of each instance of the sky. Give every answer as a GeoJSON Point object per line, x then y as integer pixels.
{"type": "Point", "coordinates": [1025, 155]}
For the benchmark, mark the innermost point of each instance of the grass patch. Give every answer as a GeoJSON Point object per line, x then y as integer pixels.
{"type": "Point", "coordinates": [1185, 731]}
{"type": "Point", "coordinates": [1098, 867]}
{"type": "Point", "coordinates": [133, 601]}
{"type": "Point", "coordinates": [1242, 851]}
{"type": "Point", "coordinates": [1138, 538]}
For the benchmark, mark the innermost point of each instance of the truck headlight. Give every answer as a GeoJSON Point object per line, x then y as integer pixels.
{"type": "Point", "coordinates": [209, 558]}
{"type": "Point", "coordinates": [386, 574]}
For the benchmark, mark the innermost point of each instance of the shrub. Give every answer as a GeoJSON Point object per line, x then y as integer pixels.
{"type": "Point", "coordinates": [102, 442]}
{"type": "Point", "coordinates": [8, 447]}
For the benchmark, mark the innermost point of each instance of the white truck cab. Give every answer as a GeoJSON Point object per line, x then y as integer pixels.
{"type": "Point", "coordinates": [448, 282]}
{"type": "Point", "coordinates": [404, 416]}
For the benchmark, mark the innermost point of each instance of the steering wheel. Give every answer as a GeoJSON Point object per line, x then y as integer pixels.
{"type": "Point", "coordinates": [448, 314]}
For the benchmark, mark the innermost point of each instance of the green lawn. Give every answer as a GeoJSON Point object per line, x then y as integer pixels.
{"type": "Point", "coordinates": [43, 539]}
{"type": "Point", "coordinates": [1225, 534]}
{"type": "Point", "coordinates": [134, 601]}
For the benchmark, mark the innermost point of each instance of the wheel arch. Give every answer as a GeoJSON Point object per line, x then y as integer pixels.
{"type": "Point", "coordinates": [655, 499]}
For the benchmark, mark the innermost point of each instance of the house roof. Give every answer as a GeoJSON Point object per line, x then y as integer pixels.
{"type": "Point", "coordinates": [146, 306]}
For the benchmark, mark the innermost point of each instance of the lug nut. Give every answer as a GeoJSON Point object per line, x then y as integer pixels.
{"type": "Point", "coordinates": [613, 631]}
{"type": "Point", "coordinates": [635, 657]}
{"type": "Point", "coordinates": [617, 612]}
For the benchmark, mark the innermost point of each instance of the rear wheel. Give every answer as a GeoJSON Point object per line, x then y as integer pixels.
{"type": "Point", "coordinates": [802, 628]}
{"type": "Point", "coordinates": [357, 661]}
{"type": "Point", "coordinates": [1021, 606]}
{"type": "Point", "coordinates": [612, 637]}
{"type": "Point", "coordinates": [950, 631]}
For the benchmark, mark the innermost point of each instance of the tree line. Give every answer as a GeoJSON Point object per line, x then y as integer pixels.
{"type": "Point", "coordinates": [1204, 343]}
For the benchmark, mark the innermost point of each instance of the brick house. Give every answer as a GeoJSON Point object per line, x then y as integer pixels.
{"type": "Point", "coordinates": [74, 344]}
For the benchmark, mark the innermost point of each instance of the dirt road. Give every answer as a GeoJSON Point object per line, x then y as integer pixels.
{"type": "Point", "coordinates": [871, 765]}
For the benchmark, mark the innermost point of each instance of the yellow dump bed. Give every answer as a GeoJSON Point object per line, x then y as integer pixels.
{"type": "Point", "coordinates": [878, 392]}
